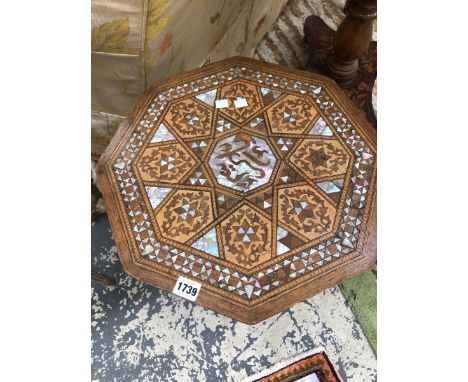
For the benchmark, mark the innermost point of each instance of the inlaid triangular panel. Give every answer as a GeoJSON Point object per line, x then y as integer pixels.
{"type": "Point", "coordinates": [258, 125]}
{"type": "Point", "coordinates": [208, 243]}
{"type": "Point", "coordinates": [199, 148]}
{"type": "Point", "coordinates": [332, 188]}
{"type": "Point", "coordinates": [287, 175]}
{"type": "Point", "coordinates": [162, 134]}
{"type": "Point", "coordinates": [225, 201]}
{"type": "Point", "coordinates": [223, 125]}
{"type": "Point", "coordinates": [284, 145]}
{"type": "Point", "coordinates": [320, 128]}
{"type": "Point", "coordinates": [156, 194]}
{"type": "Point", "coordinates": [208, 97]}
{"type": "Point", "coordinates": [286, 241]}
{"type": "Point", "coordinates": [263, 200]}
{"type": "Point", "coordinates": [198, 178]}
{"type": "Point", "coordinates": [269, 95]}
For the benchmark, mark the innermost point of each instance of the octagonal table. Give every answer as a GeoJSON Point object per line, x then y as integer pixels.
{"type": "Point", "coordinates": [252, 181]}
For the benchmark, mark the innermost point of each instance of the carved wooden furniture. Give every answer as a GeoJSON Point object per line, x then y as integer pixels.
{"type": "Point", "coordinates": [348, 55]}
{"type": "Point", "coordinates": [256, 181]}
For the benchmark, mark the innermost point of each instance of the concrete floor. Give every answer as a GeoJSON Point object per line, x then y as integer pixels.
{"type": "Point", "coordinates": [141, 333]}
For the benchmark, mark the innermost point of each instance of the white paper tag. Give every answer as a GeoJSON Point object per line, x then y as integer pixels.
{"type": "Point", "coordinates": [186, 288]}
{"type": "Point", "coordinates": [221, 103]}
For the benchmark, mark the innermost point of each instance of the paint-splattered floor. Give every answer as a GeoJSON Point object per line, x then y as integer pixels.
{"type": "Point", "coordinates": [140, 333]}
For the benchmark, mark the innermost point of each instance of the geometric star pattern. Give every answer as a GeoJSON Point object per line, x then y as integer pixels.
{"type": "Point", "coordinates": [165, 163]}
{"type": "Point", "coordinates": [317, 158]}
{"type": "Point", "coordinates": [247, 199]}
{"type": "Point", "coordinates": [184, 214]}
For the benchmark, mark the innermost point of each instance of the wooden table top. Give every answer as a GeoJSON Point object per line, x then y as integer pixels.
{"type": "Point", "coordinates": [256, 181]}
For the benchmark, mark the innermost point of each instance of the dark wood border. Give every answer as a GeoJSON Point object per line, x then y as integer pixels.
{"type": "Point", "coordinates": [318, 363]}
{"type": "Point", "coordinates": [363, 258]}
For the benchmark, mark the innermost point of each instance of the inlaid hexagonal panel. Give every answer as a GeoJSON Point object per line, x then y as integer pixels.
{"type": "Point", "coordinates": [184, 213]}
{"type": "Point", "coordinates": [247, 237]}
{"type": "Point", "coordinates": [189, 118]}
{"type": "Point", "coordinates": [254, 180]}
{"type": "Point", "coordinates": [240, 89]}
{"type": "Point", "coordinates": [165, 163]}
{"type": "Point", "coordinates": [292, 115]}
{"type": "Point", "coordinates": [242, 162]}
{"type": "Point", "coordinates": [304, 211]}
{"type": "Point", "coordinates": [317, 158]}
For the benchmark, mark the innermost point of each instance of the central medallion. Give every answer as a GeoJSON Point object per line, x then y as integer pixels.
{"type": "Point", "coordinates": [242, 162]}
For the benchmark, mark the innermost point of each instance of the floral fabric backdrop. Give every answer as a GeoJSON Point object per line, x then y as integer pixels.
{"type": "Point", "coordinates": [135, 43]}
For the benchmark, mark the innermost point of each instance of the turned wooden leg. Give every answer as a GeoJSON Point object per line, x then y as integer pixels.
{"type": "Point", "coordinates": [351, 41]}
{"type": "Point", "coordinates": [346, 55]}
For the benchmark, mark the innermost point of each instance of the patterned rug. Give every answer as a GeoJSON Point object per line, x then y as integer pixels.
{"type": "Point", "coordinates": [311, 368]}
{"type": "Point", "coordinates": [283, 44]}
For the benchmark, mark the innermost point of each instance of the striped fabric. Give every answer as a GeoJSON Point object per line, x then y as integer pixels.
{"type": "Point", "coordinates": [283, 44]}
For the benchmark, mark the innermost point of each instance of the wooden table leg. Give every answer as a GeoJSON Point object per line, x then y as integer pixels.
{"type": "Point", "coordinates": [347, 55]}
{"type": "Point", "coordinates": [103, 279]}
